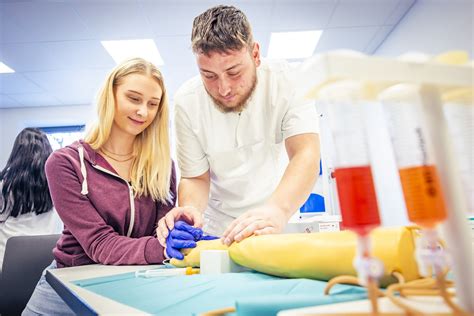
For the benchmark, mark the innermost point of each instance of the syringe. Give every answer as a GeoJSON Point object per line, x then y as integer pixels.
{"type": "Point", "coordinates": [166, 272]}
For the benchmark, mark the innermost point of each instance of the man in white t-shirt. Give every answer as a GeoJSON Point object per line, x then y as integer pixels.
{"type": "Point", "coordinates": [231, 122]}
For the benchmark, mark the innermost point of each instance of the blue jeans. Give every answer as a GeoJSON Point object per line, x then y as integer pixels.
{"type": "Point", "coordinates": [45, 300]}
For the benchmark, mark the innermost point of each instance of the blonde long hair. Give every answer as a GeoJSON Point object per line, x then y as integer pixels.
{"type": "Point", "coordinates": [151, 170]}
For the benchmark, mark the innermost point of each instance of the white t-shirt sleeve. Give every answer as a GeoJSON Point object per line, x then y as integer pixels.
{"type": "Point", "coordinates": [192, 160]}
{"type": "Point", "coordinates": [301, 118]}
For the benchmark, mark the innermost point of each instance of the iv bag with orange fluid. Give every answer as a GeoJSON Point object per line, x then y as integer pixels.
{"type": "Point", "coordinates": [413, 154]}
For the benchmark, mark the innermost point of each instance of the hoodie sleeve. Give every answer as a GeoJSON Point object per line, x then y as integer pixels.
{"type": "Point", "coordinates": [99, 240]}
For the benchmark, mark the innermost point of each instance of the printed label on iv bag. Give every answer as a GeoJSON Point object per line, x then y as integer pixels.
{"type": "Point", "coordinates": [408, 135]}
{"type": "Point", "coordinates": [418, 175]}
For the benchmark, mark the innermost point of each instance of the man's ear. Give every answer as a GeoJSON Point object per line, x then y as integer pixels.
{"type": "Point", "coordinates": [256, 53]}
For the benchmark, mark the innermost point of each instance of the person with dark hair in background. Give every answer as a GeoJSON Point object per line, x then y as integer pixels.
{"type": "Point", "coordinates": [25, 203]}
{"type": "Point", "coordinates": [232, 122]}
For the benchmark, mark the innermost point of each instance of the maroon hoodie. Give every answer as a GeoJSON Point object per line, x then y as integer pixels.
{"type": "Point", "coordinates": [103, 223]}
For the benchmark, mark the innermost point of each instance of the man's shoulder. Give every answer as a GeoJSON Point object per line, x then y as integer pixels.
{"type": "Point", "coordinates": [279, 74]}
{"type": "Point", "coordinates": [276, 76]}
{"type": "Point", "coordinates": [189, 88]}
{"type": "Point", "coordinates": [276, 67]}
{"type": "Point", "coordinates": [191, 97]}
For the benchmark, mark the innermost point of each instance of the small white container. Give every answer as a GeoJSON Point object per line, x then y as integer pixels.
{"type": "Point", "coordinates": [218, 262]}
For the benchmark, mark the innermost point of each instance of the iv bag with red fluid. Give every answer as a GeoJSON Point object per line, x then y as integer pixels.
{"type": "Point", "coordinates": [357, 199]}
{"type": "Point", "coordinates": [345, 107]}
{"type": "Point", "coordinates": [345, 113]}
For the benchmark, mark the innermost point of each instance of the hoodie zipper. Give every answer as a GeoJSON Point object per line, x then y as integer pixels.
{"type": "Point", "coordinates": [132, 200]}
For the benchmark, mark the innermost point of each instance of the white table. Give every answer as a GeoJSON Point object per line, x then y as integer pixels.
{"type": "Point", "coordinates": [428, 305]}
{"type": "Point", "coordinates": [84, 302]}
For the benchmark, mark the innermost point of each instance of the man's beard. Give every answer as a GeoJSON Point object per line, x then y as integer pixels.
{"type": "Point", "coordinates": [242, 104]}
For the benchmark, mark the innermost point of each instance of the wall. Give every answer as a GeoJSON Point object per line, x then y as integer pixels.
{"type": "Point", "coordinates": [433, 27]}
{"type": "Point", "coordinates": [12, 121]}
{"type": "Point", "coordinates": [430, 26]}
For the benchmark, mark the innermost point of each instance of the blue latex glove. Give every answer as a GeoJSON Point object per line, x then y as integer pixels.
{"type": "Point", "coordinates": [177, 240]}
{"type": "Point", "coordinates": [208, 237]}
{"type": "Point", "coordinates": [197, 233]}
{"type": "Point", "coordinates": [183, 236]}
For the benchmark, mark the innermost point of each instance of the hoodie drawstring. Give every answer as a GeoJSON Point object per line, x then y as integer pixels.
{"type": "Point", "coordinates": [83, 171]}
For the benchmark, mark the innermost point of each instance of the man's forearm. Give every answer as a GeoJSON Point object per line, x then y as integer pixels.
{"type": "Point", "coordinates": [194, 192]}
{"type": "Point", "coordinates": [297, 181]}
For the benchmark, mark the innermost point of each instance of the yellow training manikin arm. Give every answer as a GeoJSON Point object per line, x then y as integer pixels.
{"type": "Point", "coordinates": [320, 256]}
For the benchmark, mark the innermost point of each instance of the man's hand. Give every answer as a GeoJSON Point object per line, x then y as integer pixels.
{"type": "Point", "coordinates": [189, 214]}
{"type": "Point", "coordinates": [266, 219]}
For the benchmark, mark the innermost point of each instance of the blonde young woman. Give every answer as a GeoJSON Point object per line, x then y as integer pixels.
{"type": "Point", "coordinates": [111, 188]}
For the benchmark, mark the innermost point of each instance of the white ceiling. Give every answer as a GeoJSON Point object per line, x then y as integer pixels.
{"type": "Point", "coordinates": [55, 49]}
